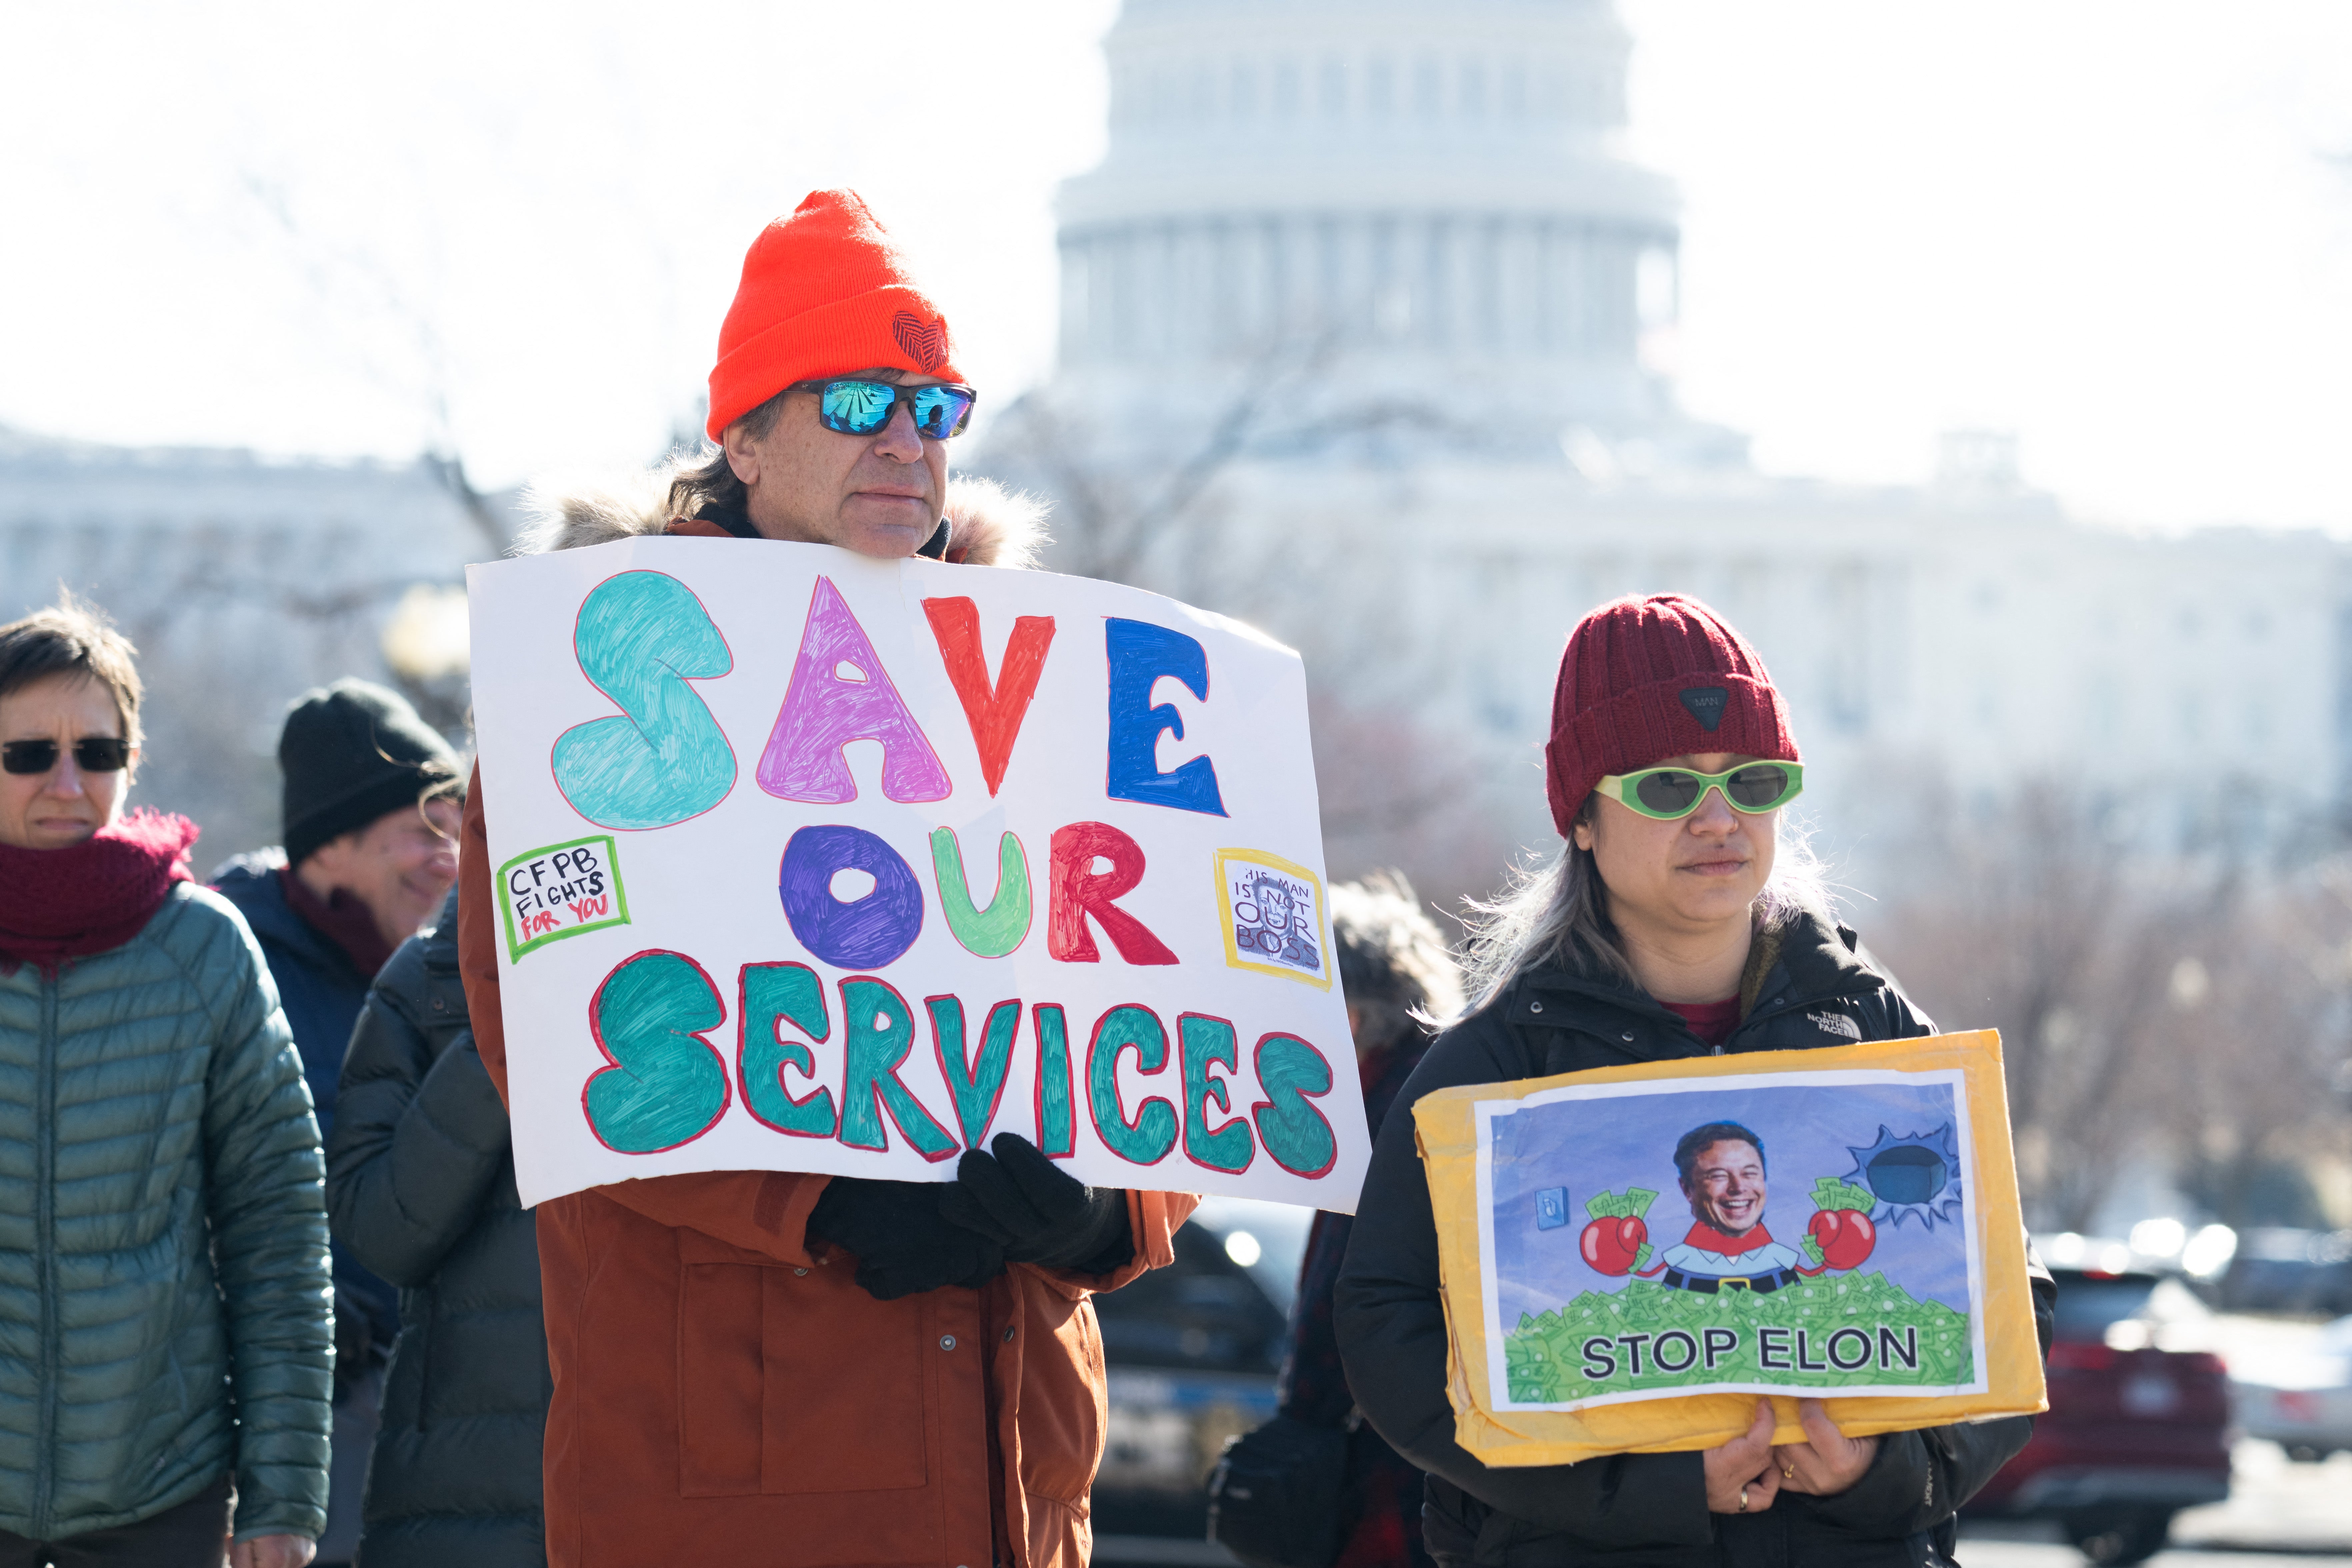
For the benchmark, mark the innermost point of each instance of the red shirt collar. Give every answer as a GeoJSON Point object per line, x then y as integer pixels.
{"type": "Point", "coordinates": [1706, 1238]}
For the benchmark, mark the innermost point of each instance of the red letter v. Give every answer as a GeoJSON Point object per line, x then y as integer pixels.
{"type": "Point", "coordinates": [994, 715]}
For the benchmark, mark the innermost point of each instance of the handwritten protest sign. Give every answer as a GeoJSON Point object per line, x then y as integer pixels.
{"type": "Point", "coordinates": [1630, 1254]}
{"type": "Point", "coordinates": [807, 861]}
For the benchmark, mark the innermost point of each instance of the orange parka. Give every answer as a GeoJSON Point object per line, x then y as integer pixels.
{"type": "Point", "coordinates": [726, 1394]}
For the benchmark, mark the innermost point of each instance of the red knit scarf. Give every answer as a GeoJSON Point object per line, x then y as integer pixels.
{"type": "Point", "coordinates": [90, 897]}
{"type": "Point", "coordinates": [343, 918]}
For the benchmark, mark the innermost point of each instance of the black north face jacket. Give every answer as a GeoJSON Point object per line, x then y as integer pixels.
{"type": "Point", "coordinates": [1628, 1509]}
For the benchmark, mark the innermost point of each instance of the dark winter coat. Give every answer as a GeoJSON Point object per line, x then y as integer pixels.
{"type": "Point", "coordinates": [421, 1188]}
{"type": "Point", "coordinates": [163, 1243]}
{"type": "Point", "coordinates": [1629, 1508]}
{"type": "Point", "coordinates": [1382, 1501]}
{"type": "Point", "coordinates": [321, 990]}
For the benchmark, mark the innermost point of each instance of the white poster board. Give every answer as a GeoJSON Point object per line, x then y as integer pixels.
{"type": "Point", "coordinates": [812, 862]}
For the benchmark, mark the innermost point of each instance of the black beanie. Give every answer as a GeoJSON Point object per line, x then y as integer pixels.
{"type": "Point", "coordinates": [351, 752]}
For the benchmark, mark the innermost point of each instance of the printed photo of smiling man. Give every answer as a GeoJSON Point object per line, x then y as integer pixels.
{"type": "Point", "coordinates": [1721, 1169]}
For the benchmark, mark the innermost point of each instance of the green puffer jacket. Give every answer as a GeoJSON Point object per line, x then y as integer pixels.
{"type": "Point", "coordinates": [164, 1310]}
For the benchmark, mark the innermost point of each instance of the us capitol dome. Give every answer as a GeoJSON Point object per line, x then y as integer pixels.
{"type": "Point", "coordinates": [1421, 194]}
{"type": "Point", "coordinates": [1359, 339]}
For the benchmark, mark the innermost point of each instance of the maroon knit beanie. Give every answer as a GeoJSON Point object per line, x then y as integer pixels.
{"type": "Point", "coordinates": [1651, 676]}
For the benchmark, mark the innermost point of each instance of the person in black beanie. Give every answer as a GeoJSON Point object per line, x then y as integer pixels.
{"type": "Point", "coordinates": [352, 753]}
{"type": "Point", "coordinates": [371, 818]}
{"type": "Point", "coordinates": [1396, 973]}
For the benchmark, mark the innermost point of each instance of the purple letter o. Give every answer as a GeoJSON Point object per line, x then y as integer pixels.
{"type": "Point", "coordinates": [875, 930]}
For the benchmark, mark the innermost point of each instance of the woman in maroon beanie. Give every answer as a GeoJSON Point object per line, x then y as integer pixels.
{"type": "Point", "coordinates": [163, 1281]}
{"type": "Point", "coordinates": [1676, 922]}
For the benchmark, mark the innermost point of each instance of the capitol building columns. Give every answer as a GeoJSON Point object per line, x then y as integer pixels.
{"type": "Point", "coordinates": [1198, 291]}
{"type": "Point", "coordinates": [1420, 185]}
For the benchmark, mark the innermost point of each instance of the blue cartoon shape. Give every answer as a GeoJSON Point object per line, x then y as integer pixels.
{"type": "Point", "coordinates": [1916, 1176]}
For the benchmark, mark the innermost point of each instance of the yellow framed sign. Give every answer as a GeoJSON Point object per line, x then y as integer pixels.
{"type": "Point", "coordinates": [1630, 1256]}
{"type": "Point", "coordinates": [1271, 911]}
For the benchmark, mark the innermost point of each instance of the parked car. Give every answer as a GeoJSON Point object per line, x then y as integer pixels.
{"type": "Point", "coordinates": [2138, 1428]}
{"type": "Point", "coordinates": [1193, 1351]}
{"type": "Point", "coordinates": [2281, 1270]}
{"type": "Point", "coordinates": [2300, 1401]}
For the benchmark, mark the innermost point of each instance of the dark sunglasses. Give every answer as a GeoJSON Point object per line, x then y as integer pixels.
{"type": "Point", "coordinates": [94, 754]}
{"type": "Point", "coordinates": [857, 407]}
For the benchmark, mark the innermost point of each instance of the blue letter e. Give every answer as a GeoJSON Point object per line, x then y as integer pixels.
{"type": "Point", "coordinates": [1140, 653]}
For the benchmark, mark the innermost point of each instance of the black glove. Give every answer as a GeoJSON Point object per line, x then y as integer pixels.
{"type": "Point", "coordinates": [902, 1245]}
{"type": "Point", "coordinates": [1037, 1213]}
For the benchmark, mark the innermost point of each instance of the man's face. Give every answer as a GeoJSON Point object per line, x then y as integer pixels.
{"type": "Point", "coordinates": [879, 495]}
{"type": "Point", "coordinates": [1727, 1187]}
{"type": "Point", "coordinates": [400, 865]}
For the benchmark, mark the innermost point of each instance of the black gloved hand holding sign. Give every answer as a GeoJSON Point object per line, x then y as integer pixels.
{"type": "Point", "coordinates": [901, 1243]}
{"type": "Point", "coordinates": [1036, 1212]}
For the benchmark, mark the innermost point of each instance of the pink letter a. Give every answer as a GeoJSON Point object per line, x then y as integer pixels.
{"type": "Point", "coordinates": [824, 710]}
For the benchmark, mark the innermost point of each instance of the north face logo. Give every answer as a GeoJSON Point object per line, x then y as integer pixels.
{"type": "Point", "coordinates": [926, 343]}
{"type": "Point", "coordinates": [1835, 1024]}
{"type": "Point", "coordinates": [1705, 704]}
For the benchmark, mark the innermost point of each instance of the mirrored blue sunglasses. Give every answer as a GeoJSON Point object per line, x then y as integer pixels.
{"type": "Point", "coordinates": [857, 407]}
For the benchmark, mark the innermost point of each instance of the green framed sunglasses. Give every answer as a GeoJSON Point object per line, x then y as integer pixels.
{"type": "Point", "coordinates": [1671, 793]}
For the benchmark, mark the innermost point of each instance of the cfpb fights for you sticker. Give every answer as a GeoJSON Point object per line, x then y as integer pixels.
{"type": "Point", "coordinates": [561, 890]}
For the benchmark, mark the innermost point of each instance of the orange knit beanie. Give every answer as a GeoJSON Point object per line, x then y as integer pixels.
{"type": "Point", "coordinates": [823, 292]}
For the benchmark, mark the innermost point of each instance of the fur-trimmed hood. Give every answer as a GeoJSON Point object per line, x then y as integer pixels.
{"type": "Point", "coordinates": [988, 524]}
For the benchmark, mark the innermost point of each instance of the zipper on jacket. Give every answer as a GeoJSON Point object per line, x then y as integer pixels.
{"type": "Point", "coordinates": [45, 1262]}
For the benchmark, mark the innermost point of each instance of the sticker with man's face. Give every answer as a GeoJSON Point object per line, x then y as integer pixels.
{"type": "Point", "coordinates": [1273, 912]}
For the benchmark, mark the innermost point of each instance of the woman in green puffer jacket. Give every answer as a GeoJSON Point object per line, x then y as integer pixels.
{"type": "Point", "coordinates": [164, 1322]}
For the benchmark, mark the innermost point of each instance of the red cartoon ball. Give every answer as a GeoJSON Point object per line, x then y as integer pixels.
{"type": "Point", "coordinates": [1845, 1236]}
{"type": "Point", "coordinates": [1612, 1245]}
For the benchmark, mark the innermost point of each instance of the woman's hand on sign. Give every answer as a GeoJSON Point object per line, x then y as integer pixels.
{"type": "Point", "coordinates": [1741, 1476]}
{"type": "Point", "coordinates": [1830, 1462]}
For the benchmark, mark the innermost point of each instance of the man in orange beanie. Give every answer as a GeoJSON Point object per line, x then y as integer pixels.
{"type": "Point", "coordinates": [828, 335]}
{"type": "Point", "coordinates": [773, 1368]}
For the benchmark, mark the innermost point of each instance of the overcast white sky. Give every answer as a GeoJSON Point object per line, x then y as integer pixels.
{"type": "Point", "coordinates": [2122, 229]}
